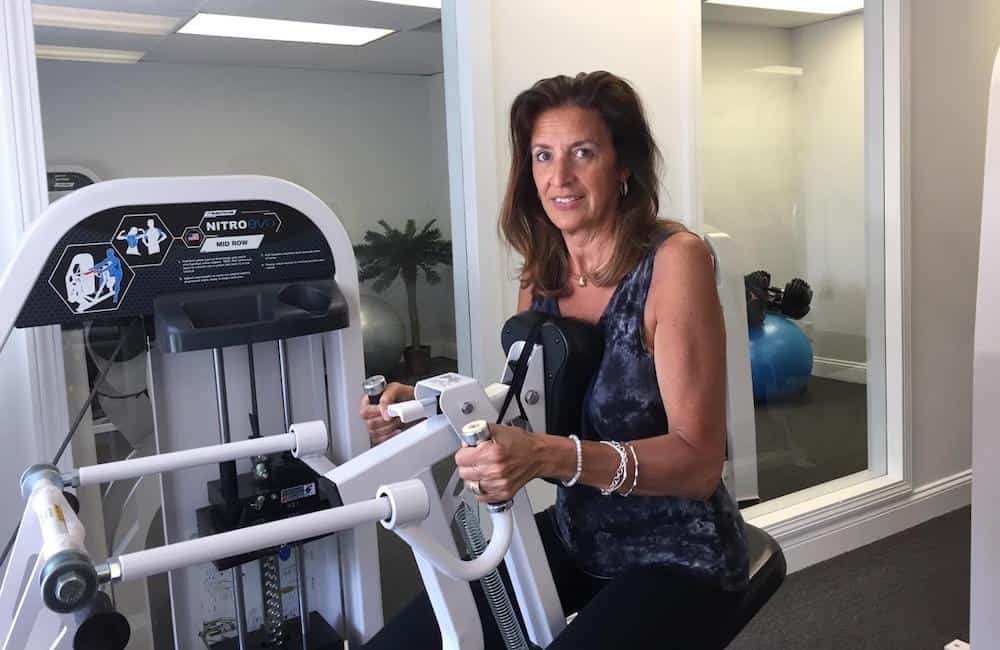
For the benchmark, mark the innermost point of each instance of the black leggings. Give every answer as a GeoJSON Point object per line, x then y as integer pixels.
{"type": "Point", "coordinates": [646, 607]}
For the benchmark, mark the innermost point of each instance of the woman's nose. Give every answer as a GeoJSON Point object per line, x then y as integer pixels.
{"type": "Point", "coordinates": [563, 172]}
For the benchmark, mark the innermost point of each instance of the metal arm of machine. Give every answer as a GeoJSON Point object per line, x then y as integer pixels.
{"type": "Point", "coordinates": [396, 505]}
{"type": "Point", "coordinates": [69, 578]}
{"type": "Point", "coordinates": [303, 439]}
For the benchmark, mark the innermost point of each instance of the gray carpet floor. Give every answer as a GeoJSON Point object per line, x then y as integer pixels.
{"type": "Point", "coordinates": [906, 592]}
{"type": "Point", "coordinates": [809, 440]}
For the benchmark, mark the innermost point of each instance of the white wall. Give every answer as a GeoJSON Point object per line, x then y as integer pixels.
{"type": "Point", "coordinates": [751, 147]}
{"type": "Point", "coordinates": [832, 127]}
{"type": "Point", "coordinates": [952, 57]}
{"type": "Point", "coordinates": [784, 166]}
{"type": "Point", "coordinates": [361, 142]}
{"type": "Point", "coordinates": [654, 45]}
{"type": "Point", "coordinates": [953, 46]}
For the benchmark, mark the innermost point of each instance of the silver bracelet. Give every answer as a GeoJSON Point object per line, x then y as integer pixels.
{"type": "Point", "coordinates": [635, 477]}
{"type": "Point", "coordinates": [579, 463]}
{"type": "Point", "coordinates": [620, 474]}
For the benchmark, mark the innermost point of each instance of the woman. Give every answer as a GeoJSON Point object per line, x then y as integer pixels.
{"type": "Point", "coordinates": [644, 541]}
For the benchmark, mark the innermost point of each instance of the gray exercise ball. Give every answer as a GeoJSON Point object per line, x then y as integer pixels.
{"type": "Point", "coordinates": [384, 335]}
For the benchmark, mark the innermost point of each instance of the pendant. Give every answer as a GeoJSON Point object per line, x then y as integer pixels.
{"type": "Point", "coordinates": [582, 281]}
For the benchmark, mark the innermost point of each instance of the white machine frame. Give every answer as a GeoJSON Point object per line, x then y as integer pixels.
{"type": "Point", "coordinates": [390, 483]}
{"type": "Point", "coordinates": [356, 549]}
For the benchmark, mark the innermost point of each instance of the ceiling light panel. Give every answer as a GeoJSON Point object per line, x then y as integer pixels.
{"type": "Point", "coordinates": [804, 6]}
{"type": "Point", "coordinates": [270, 29]}
{"type": "Point", "coordinates": [788, 70]}
{"type": "Point", "coordinates": [90, 55]}
{"type": "Point", "coordinates": [105, 21]}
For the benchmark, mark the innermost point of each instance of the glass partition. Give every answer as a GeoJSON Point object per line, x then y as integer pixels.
{"type": "Point", "coordinates": [792, 110]}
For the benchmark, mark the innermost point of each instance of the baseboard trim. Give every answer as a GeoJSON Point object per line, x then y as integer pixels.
{"type": "Point", "coordinates": [443, 348]}
{"type": "Point", "coordinates": [855, 372]}
{"type": "Point", "coordinates": [866, 523]}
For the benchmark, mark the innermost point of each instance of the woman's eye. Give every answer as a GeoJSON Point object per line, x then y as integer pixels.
{"type": "Point", "coordinates": [542, 156]}
{"type": "Point", "coordinates": [583, 153]}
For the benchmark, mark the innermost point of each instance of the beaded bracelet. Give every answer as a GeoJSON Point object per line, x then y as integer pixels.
{"type": "Point", "coordinates": [621, 473]}
{"type": "Point", "coordinates": [579, 463]}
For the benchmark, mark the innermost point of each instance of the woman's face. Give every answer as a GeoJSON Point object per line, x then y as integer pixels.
{"type": "Point", "coordinates": [575, 168]}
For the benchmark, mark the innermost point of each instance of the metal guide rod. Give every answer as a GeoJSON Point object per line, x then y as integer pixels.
{"type": "Point", "coordinates": [241, 615]}
{"type": "Point", "coordinates": [227, 481]}
{"type": "Point", "coordinates": [286, 414]}
{"type": "Point", "coordinates": [270, 574]}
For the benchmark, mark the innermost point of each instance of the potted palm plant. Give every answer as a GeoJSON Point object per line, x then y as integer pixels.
{"type": "Point", "coordinates": [393, 253]}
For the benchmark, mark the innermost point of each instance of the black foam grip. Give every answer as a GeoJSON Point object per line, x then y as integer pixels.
{"type": "Point", "coordinates": [73, 502]}
{"type": "Point", "coordinates": [101, 627]}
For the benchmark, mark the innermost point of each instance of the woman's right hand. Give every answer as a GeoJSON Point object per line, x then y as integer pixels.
{"type": "Point", "coordinates": [380, 426]}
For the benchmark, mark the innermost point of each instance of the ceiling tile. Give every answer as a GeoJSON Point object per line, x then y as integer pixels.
{"type": "Point", "coordinates": [184, 8]}
{"type": "Point", "coordinates": [100, 40]}
{"type": "Point", "coordinates": [405, 52]}
{"type": "Point", "coordinates": [401, 53]}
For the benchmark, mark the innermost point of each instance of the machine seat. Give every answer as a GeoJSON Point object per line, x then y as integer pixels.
{"type": "Point", "coordinates": [767, 572]}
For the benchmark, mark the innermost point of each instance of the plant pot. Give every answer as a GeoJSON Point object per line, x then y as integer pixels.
{"type": "Point", "coordinates": [417, 359]}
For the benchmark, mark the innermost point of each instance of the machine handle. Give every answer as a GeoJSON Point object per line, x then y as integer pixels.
{"type": "Point", "coordinates": [421, 541]}
{"type": "Point", "coordinates": [474, 433]}
{"type": "Point", "coordinates": [414, 410]}
{"type": "Point", "coordinates": [374, 387]}
{"type": "Point", "coordinates": [144, 563]}
{"type": "Point", "coordinates": [303, 439]}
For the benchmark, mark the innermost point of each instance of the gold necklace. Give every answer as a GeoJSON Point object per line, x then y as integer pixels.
{"type": "Point", "coordinates": [581, 280]}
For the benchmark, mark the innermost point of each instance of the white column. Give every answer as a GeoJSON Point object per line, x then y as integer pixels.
{"type": "Point", "coordinates": [985, 627]}
{"type": "Point", "coordinates": [32, 379]}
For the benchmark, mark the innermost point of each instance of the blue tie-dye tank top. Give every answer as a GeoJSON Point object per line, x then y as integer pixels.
{"type": "Point", "coordinates": [609, 535]}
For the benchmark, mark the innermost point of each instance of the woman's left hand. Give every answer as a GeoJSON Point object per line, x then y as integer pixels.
{"type": "Point", "coordinates": [502, 465]}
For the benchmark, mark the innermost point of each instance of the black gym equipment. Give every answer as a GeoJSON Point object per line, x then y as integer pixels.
{"type": "Point", "coordinates": [793, 301]}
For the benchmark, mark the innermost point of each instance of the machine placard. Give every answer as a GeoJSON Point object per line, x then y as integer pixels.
{"type": "Point", "coordinates": [67, 181]}
{"type": "Point", "coordinates": [114, 263]}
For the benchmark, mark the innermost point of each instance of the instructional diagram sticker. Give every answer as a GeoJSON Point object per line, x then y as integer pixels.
{"type": "Point", "coordinates": [142, 239]}
{"type": "Point", "coordinates": [91, 278]}
{"type": "Point", "coordinates": [152, 249]}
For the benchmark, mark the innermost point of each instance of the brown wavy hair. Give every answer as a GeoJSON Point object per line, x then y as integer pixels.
{"type": "Point", "coordinates": [523, 222]}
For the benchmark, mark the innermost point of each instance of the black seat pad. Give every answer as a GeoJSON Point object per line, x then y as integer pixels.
{"type": "Point", "coordinates": [767, 572]}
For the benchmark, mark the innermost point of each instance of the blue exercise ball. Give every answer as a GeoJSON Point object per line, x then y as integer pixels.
{"type": "Point", "coordinates": [781, 359]}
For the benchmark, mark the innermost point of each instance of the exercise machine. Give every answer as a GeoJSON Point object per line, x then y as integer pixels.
{"type": "Point", "coordinates": [253, 271]}
{"type": "Point", "coordinates": [247, 293]}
